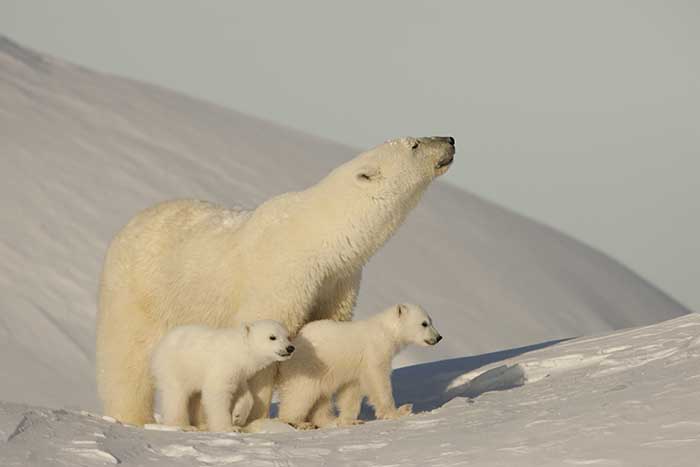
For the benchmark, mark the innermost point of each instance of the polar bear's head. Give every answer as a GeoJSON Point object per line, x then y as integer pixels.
{"type": "Point", "coordinates": [398, 168]}
{"type": "Point", "coordinates": [373, 193]}
{"type": "Point", "coordinates": [269, 339]}
{"type": "Point", "coordinates": [415, 325]}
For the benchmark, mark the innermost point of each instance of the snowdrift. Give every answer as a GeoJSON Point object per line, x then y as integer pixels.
{"type": "Point", "coordinates": [626, 398]}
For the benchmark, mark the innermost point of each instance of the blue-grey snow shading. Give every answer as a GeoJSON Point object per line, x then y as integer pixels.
{"type": "Point", "coordinates": [626, 398]}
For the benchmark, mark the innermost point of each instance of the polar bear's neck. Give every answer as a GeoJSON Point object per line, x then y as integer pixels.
{"type": "Point", "coordinates": [350, 230]}
{"type": "Point", "coordinates": [386, 326]}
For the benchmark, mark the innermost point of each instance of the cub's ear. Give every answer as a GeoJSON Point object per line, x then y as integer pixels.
{"type": "Point", "coordinates": [367, 173]}
{"type": "Point", "coordinates": [400, 310]}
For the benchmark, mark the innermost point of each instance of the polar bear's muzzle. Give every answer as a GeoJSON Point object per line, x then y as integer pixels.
{"type": "Point", "coordinates": [286, 353]}
{"type": "Point", "coordinates": [448, 156]}
{"type": "Point", "coordinates": [434, 340]}
{"type": "Point", "coordinates": [445, 161]}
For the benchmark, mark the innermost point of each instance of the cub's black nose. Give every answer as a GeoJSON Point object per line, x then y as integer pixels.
{"type": "Point", "coordinates": [438, 338]}
{"type": "Point", "coordinates": [451, 140]}
{"type": "Point", "coordinates": [290, 348]}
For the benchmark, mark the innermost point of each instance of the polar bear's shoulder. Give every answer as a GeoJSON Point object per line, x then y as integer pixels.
{"type": "Point", "coordinates": [191, 213]}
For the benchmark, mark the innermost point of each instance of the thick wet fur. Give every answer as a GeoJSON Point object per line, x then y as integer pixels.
{"type": "Point", "coordinates": [349, 360]}
{"type": "Point", "coordinates": [296, 258]}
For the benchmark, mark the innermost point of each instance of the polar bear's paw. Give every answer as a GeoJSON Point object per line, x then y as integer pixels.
{"type": "Point", "coordinates": [303, 425]}
{"type": "Point", "coordinates": [406, 409]}
{"type": "Point", "coordinates": [402, 411]}
{"type": "Point", "coordinates": [354, 422]}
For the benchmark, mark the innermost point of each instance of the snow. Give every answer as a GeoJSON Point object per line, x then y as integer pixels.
{"type": "Point", "coordinates": [624, 398]}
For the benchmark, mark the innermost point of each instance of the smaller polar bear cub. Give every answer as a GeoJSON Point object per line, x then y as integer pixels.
{"type": "Point", "coordinates": [219, 363]}
{"type": "Point", "coordinates": [349, 360]}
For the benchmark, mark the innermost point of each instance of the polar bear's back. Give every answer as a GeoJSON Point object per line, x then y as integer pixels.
{"type": "Point", "coordinates": [187, 352]}
{"type": "Point", "coordinates": [336, 347]}
{"type": "Point", "coordinates": [166, 245]}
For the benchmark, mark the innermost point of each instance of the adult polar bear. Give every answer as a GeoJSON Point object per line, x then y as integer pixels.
{"type": "Point", "coordinates": [296, 258]}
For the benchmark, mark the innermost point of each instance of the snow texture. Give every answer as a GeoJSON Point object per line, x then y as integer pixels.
{"type": "Point", "coordinates": [626, 398]}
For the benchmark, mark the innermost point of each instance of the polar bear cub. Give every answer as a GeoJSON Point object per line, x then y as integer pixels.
{"type": "Point", "coordinates": [349, 360]}
{"type": "Point", "coordinates": [218, 363]}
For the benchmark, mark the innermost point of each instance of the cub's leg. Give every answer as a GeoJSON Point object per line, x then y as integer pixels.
{"type": "Point", "coordinates": [296, 401]}
{"type": "Point", "coordinates": [377, 380]}
{"type": "Point", "coordinates": [349, 401]}
{"type": "Point", "coordinates": [261, 386]}
{"type": "Point", "coordinates": [175, 406]}
{"type": "Point", "coordinates": [197, 416]}
{"type": "Point", "coordinates": [216, 399]}
{"type": "Point", "coordinates": [322, 413]}
{"type": "Point", "coordinates": [242, 406]}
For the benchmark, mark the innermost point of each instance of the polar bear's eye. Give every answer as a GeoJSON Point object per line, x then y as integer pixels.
{"type": "Point", "coordinates": [272, 338]}
{"type": "Point", "coordinates": [424, 324]}
{"type": "Point", "coordinates": [415, 145]}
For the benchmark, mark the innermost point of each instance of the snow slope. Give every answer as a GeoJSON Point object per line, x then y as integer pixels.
{"type": "Point", "coordinates": [629, 398]}
{"type": "Point", "coordinates": [81, 152]}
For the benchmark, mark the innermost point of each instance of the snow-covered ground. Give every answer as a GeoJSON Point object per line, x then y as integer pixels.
{"type": "Point", "coordinates": [81, 152]}
{"type": "Point", "coordinates": [630, 398]}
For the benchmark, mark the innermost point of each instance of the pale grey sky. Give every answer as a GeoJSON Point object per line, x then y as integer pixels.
{"type": "Point", "coordinates": [584, 115]}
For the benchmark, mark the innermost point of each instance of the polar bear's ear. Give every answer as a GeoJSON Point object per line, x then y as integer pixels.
{"type": "Point", "coordinates": [367, 173]}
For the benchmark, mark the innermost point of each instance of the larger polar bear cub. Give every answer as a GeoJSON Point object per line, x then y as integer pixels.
{"type": "Point", "coordinates": [349, 361]}
{"type": "Point", "coordinates": [218, 363]}
{"type": "Point", "coordinates": [298, 257]}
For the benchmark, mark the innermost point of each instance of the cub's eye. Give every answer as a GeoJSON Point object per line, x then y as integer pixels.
{"type": "Point", "coordinates": [272, 338]}
{"type": "Point", "coordinates": [415, 145]}
{"type": "Point", "coordinates": [424, 324]}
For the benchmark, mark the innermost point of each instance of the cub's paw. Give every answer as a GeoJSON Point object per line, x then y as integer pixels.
{"type": "Point", "coordinates": [303, 425]}
{"type": "Point", "coordinates": [350, 422]}
{"type": "Point", "coordinates": [239, 419]}
{"type": "Point", "coordinates": [395, 413]}
{"type": "Point", "coordinates": [406, 409]}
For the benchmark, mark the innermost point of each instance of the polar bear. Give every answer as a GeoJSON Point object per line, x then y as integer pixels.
{"type": "Point", "coordinates": [218, 363]}
{"type": "Point", "coordinates": [296, 258]}
{"type": "Point", "coordinates": [349, 360]}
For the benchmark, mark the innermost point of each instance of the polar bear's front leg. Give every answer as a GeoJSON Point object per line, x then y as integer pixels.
{"type": "Point", "coordinates": [377, 380]}
{"type": "Point", "coordinates": [261, 386]}
{"type": "Point", "coordinates": [175, 406]}
{"type": "Point", "coordinates": [322, 414]}
{"type": "Point", "coordinates": [349, 401]}
{"type": "Point", "coordinates": [216, 399]}
{"type": "Point", "coordinates": [242, 406]}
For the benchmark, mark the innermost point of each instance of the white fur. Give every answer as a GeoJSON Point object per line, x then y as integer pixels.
{"type": "Point", "coordinates": [218, 363]}
{"type": "Point", "coordinates": [349, 360]}
{"type": "Point", "coordinates": [298, 257]}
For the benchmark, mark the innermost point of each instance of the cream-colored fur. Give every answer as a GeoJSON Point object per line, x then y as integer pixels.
{"type": "Point", "coordinates": [349, 361]}
{"type": "Point", "coordinates": [218, 363]}
{"type": "Point", "coordinates": [298, 257]}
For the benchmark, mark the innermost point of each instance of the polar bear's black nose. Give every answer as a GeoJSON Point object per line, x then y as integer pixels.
{"type": "Point", "coordinates": [451, 140]}
{"type": "Point", "coordinates": [438, 338]}
{"type": "Point", "coordinates": [290, 348]}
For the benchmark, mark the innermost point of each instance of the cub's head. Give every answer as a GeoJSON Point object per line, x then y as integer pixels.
{"type": "Point", "coordinates": [270, 338]}
{"type": "Point", "coordinates": [415, 325]}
